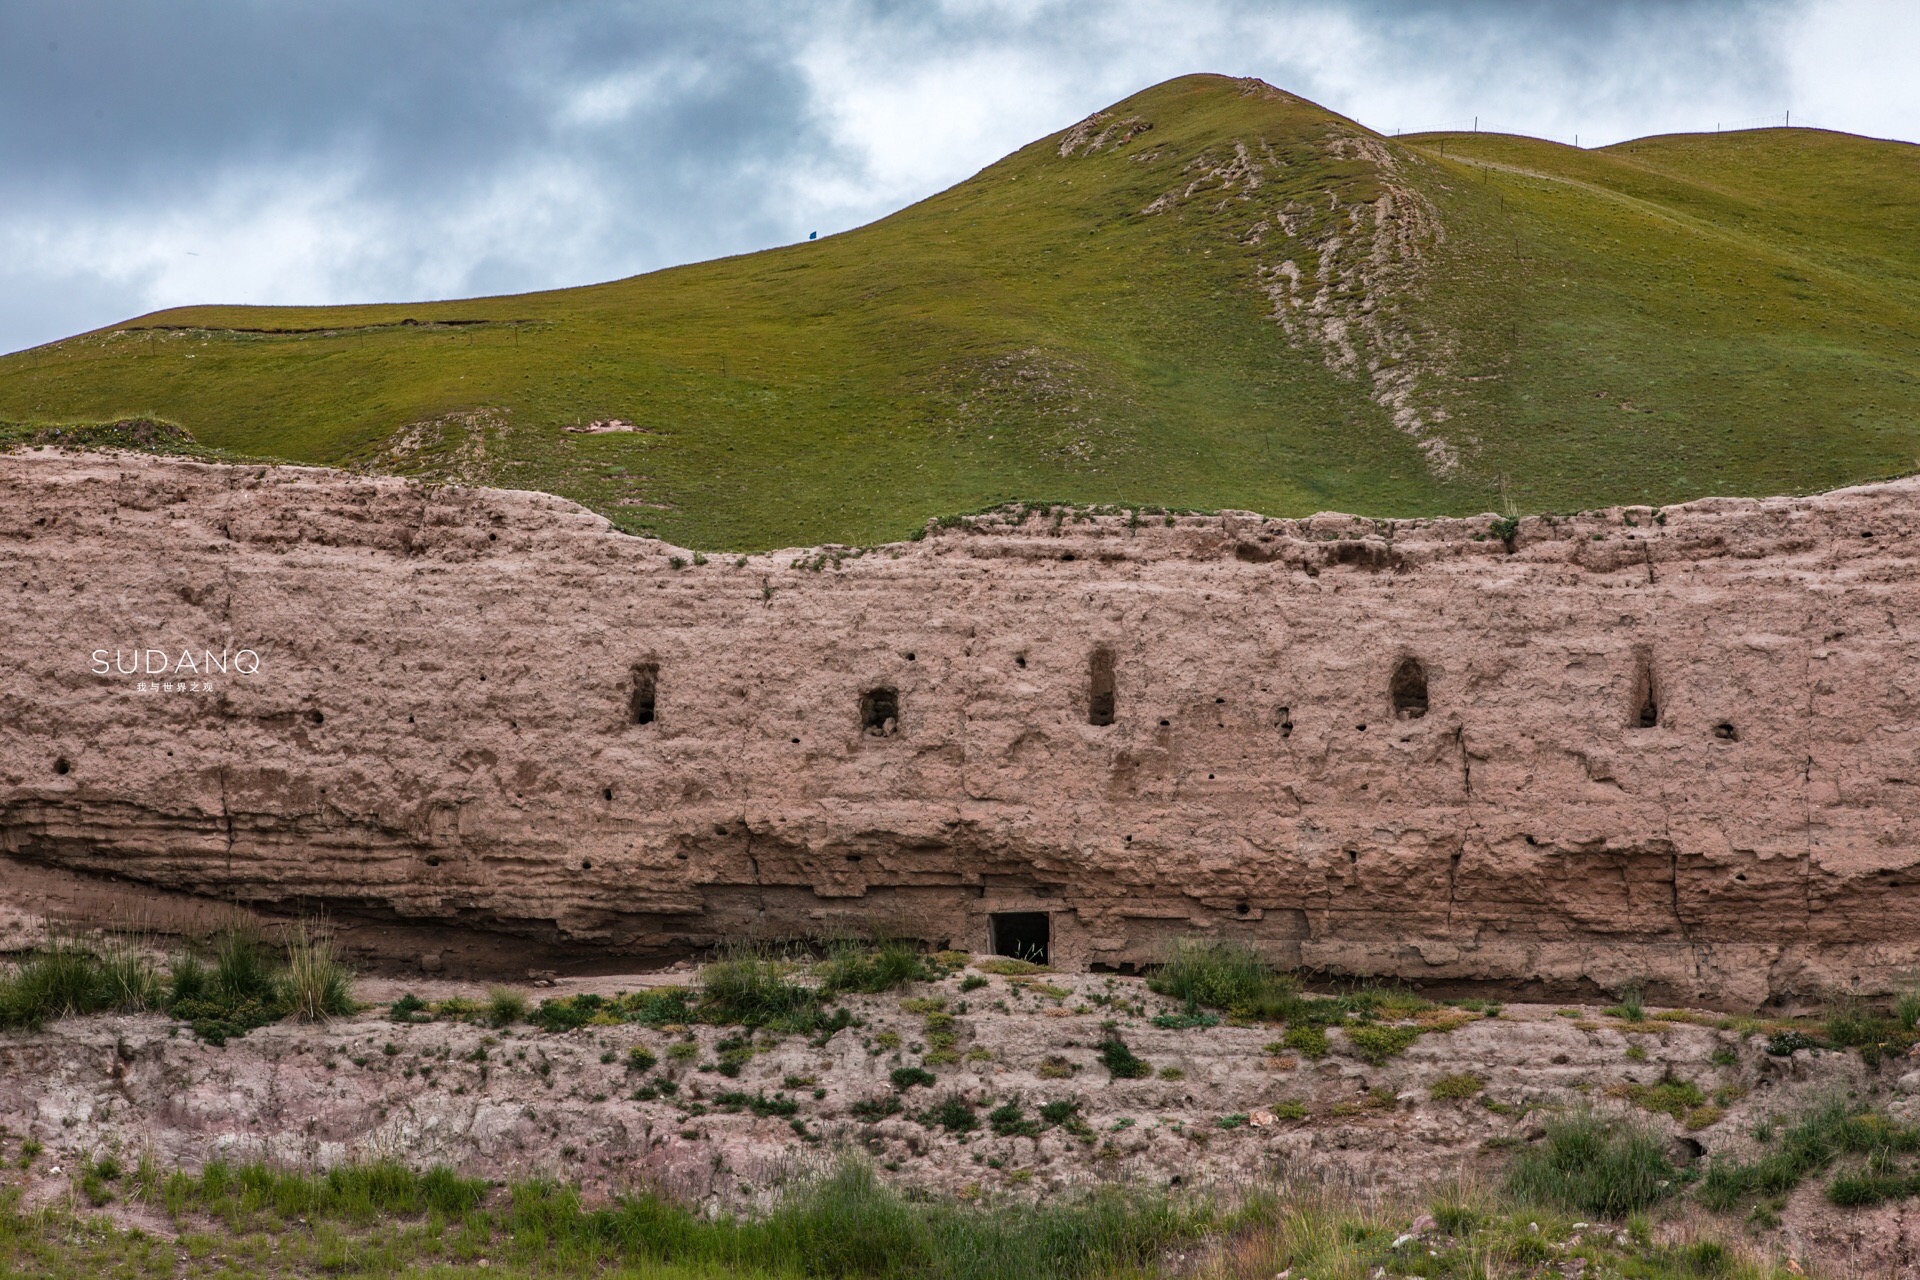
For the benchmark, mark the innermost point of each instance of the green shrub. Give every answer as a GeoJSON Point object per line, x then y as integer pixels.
{"type": "Point", "coordinates": [758, 1103]}
{"type": "Point", "coordinates": [1906, 1010]}
{"type": "Point", "coordinates": [1591, 1165]}
{"type": "Point", "coordinates": [1376, 1044]}
{"type": "Point", "coordinates": [1221, 974]}
{"type": "Point", "coordinates": [905, 1078]}
{"type": "Point", "coordinates": [1851, 1025]}
{"type": "Point", "coordinates": [640, 1058]}
{"type": "Point", "coordinates": [1009, 1120]}
{"type": "Point", "coordinates": [1456, 1088]}
{"type": "Point", "coordinates": [871, 970]}
{"type": "Point", "coordinates": [871, 1109]}
{"type": "Point", "coordinates": [505, 1006]}
{"type": "Point", "coordinates": [952, 1113]}
{"type": "Point", "coordinates": [1061, 1112]}
{"type": "Point", "coordinates": [1809, 1144]}
{"type": "Point", "coordinates": [409, 1008]}
{"type": "Point", "coordinates": [1120, 1061]}
{"type": "Point", "coordinates": [1306, 1039]}
{"type": "Point", "coordinates": [1783, 1043]}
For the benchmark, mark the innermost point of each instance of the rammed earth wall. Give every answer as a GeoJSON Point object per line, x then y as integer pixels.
{"type": "Point", "coordinates": [446, 727]}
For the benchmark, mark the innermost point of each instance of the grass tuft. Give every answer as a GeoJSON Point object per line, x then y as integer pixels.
{"type": "Point", "coordinates": [1596, 1165]}
{"type": "Point", "coordinates": [851, 967]}
{"type": "Point", "coordinates": [1222, 974]}
{"type": "Point", "coordinates": [315, 986]}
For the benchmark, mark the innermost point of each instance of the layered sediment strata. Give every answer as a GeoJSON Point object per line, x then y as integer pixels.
{"type": "Point", "coordinates": [1676, 748]}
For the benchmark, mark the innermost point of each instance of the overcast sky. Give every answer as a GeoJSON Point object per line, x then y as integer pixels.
{"type": "Point", "coordinates": [157, 152]}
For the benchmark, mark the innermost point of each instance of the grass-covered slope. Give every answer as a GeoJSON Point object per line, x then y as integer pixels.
{"type": "Point", "coordinates": [1213, 294]}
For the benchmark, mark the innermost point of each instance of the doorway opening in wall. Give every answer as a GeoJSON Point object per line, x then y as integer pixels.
{"type": "Point", "coordinates": [1021, 935]}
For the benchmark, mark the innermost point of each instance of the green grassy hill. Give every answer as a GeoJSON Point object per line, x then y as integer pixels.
{"type": "Point", "coordinates": [1214, 294]}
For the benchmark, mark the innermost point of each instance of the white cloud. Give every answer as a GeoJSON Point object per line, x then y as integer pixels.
{"type": "Point", "coordinates": [1855, 65]}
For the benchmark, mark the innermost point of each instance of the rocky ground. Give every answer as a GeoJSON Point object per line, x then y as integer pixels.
{"type": "Point", "coordinates": [1221, 1104]}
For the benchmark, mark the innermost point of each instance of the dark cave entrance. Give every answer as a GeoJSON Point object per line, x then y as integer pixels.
{"type": "Point", "coordinates": [1022, 935]}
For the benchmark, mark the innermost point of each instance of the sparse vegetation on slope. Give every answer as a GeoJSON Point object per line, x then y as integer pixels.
{"type": "Point", "coordinates": [247, 985]}
{"type": "Point", "coordinates": [1213, 294]}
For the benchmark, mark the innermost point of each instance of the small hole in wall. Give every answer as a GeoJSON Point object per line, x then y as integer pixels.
{"type": "Point", "coordinates": [606, 793]}
{"type": "Point", "coordinates": [1535, 843]}
{"type": "Point", "coordinates": [483, 679]}
{"type": "Point", "coordinates": [1362, 728]}
{"type": "Point", "coordinates": [1218, 701]}
{"type": "Point", "coordinates": [1726, 732]}
{"type": "Point", "coordinates": [493, 537]}
{"type": "Point", "coordinates": [1241, 908]}
{"type": "Point", "coordinates": [433, 860]}
{"type": "Point", "coordinates": [586, 864]}
{"type": "Point", "coordinates": [909, 657]}
{"type": "Point", "coordinates": [1164, 724]}
{"type": "Point", "coordinates": [1353, 857]}
{"type": "Point", "coordinates": [1285, 719]}
{"type": "Point", "coordinates": [855, 857]}
{"type": "Point", "coordinates": [316, 717]}
{"type": "Point", "coordinates": [1742, 877]}
{"type": "Point", "coordinates": [409, 719]}
{"type": "Point", "coordinates": [1129, 839]}
{"type": "Point", "coordinates": [1209, 777]}
{"type": "Point", "coordinates": [62, 765]}
{"type": "Point", "coordinates": [796, 742]}
{"type": "Point", "coordinates": [1020, 661]}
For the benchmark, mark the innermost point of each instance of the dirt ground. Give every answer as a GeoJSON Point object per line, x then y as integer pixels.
{"type": "Point", "coordinates": [1221, 1106]}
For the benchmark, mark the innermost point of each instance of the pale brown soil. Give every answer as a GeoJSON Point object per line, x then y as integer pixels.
{"type": "Point", "coordinates": [561, 1104]}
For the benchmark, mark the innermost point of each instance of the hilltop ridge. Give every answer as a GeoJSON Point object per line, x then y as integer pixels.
{"type": "Point", "coordinates": [1210, 294]}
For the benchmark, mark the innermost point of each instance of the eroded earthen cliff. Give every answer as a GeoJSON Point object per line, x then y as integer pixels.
{"type": "Point", "coordinates": [1678, 748]}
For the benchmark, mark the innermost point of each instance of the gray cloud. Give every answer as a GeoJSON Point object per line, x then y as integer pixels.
{"type": "Point", "coordinates": [278, 151]}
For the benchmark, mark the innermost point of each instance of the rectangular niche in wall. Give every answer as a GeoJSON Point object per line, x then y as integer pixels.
{"type": "Point", "coordinates": [1100, 700]}
{"type": "Point", "coordinates": [1023, 935]}
{"type": "Point", "coordinates": [646, 682]}
{"type": "Point", "coordinates": [880, 711]}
